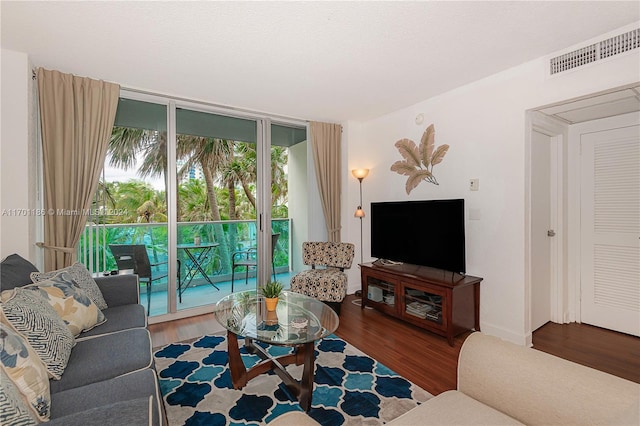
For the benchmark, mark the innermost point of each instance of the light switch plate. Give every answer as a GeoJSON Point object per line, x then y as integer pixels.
{"type": "Point", "coordinates": [474, 184]}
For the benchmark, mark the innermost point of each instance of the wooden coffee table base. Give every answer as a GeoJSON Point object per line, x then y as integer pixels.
{"type": "Point", "coordinates": [303, 354]}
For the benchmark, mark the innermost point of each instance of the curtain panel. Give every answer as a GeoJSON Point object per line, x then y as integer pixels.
{"type": "Point", "coordinates": [76, 117]}
{"type": "Point", "coordinates": [325, 144]}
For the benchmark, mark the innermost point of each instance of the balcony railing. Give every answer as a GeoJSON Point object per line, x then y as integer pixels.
{"type": "Point", "coordinates": [232, 236]}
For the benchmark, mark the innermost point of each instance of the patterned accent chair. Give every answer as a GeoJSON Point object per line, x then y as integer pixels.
{"type": "Point", "coordinates": [328, 284]}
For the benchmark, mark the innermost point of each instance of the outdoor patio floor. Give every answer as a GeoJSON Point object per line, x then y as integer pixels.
{"type": "Point", "coordinates": [204, 294]}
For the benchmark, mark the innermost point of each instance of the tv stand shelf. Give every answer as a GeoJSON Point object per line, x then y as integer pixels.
{"type": "Point", "coordinates": [443, 302]}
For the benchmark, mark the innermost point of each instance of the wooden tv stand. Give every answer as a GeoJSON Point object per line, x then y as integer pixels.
{"type": "Point", "coordinates": [443, 302]}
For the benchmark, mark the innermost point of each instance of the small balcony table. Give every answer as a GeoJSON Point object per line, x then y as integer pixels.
{"type": "Point", "coordinates": [197, 254]}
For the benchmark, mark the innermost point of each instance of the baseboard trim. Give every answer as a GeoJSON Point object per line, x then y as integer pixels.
{"type": "Point", "coordinates": [509, 335]}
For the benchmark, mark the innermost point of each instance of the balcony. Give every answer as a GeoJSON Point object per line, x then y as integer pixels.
{"type": "Point", "coordinates": [230, 236]}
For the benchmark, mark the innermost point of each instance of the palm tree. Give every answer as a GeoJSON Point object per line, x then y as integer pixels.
{"type": "Point", "coordinates": [243, 169]}
{"type": "Point", "coordinates": [210, 154]}
{"type": "Point", "coordinates": [222, 161]}
{"type": "Point", "coordinates": [193, 201]}
{"type": "Point", "coordinates": [102, 199]}
{"type": "Point", "coordinates": [127, 144]}
{"type": "Point", "coordinates": [129, 196]}
{"type": "Point", "coordinates": [279, 181]}
{"type": "Point", "coordinates": [139, 202]}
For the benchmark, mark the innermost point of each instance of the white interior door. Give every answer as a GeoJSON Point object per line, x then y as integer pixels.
{"type": "Point", "coordinates": [610, 229]}
{"type": "Point", "coordinates": [540, 225]}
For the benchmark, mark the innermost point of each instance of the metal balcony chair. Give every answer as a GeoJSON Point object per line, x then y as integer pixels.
{"type": "Point", "coordinates": [328, 283]}
{"type": "Point", "coordinates": [248, 258]}
{"type": "Point", "coordinates": [134, 257]}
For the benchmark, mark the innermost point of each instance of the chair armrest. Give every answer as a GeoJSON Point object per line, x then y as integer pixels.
{"type": "Point", "coordinates": [245, 254]}
{"type": "Point", "coordinates": [119, 290]}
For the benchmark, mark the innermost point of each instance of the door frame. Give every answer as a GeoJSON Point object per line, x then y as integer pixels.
{"type": "Point", "coordinates": [557, 131]}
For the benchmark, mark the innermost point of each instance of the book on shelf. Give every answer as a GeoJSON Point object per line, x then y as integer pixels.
{"type": "Point", "coordinates": [418, 309]}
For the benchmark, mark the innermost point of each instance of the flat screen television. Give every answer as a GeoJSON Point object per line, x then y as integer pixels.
{"type": "Point", "coordinates": [428, 233]}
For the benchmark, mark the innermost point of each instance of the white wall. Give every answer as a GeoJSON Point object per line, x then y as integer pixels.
{"type": "Point", "coordinates": [351, 199]}
{"type": "Point", "coordinates": [484, 124]}
{"type": "Point", "coordinates": [17, 157]}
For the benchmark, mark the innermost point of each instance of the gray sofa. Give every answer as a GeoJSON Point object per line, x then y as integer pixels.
{"type": "Point", "coordinates": [110, 377]}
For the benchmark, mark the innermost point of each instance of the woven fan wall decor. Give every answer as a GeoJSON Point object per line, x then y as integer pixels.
{"type": "Point", "coordinates": [419, 161]}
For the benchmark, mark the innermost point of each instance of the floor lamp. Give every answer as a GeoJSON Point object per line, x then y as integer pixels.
{"type": "Point", "coordinates": [360, 174]}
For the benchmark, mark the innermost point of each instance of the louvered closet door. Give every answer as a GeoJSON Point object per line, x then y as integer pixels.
{"type": "Point", "coordinates": [610, 222]}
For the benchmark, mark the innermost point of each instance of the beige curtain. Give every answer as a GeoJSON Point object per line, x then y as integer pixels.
{"type": "Point", "coordinates": [76, 115]}
{"type": "Point", "coordinates": [325, 145]}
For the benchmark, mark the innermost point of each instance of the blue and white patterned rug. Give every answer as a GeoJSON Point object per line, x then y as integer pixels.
{"type": "Point", "coordinates": [349, 388]}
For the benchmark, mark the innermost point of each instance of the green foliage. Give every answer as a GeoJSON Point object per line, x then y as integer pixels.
{"type": "Point", "coordinates": [271, 289]}
{"type": "Point", "coordinates": [227, 191]}
{"type": "Point", "coordinates": [224, 191]}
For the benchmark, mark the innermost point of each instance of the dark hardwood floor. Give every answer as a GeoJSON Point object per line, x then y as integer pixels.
{"type": "Point", "coordinates": [605, 350]}
{"type": "Point", "coordinates": [427, 360]}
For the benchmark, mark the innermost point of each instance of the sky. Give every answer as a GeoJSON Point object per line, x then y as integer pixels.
{"type": "Point", "coordinates": [113, 174]}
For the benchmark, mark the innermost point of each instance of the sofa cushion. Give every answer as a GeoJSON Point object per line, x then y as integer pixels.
{"type": "Point", "coordinates": [118, 318]}
{"type": "Point", "coordinates": [294, 418]}
{"type": "Point", "coordinates": [105, 357]}
{"type": "Point", "coordinates": [71, 302]}
{"type": "Point", "coordinates": [453, 408]}
{"type": "Point", "coordinates": [140, 384]}
{"type": "Point", "coordinates": [81, 276]}
{"type": "Point", "coordinates": [119, 290]}
{"type": "Point", "coordinates": [15, 271]}
{"type": "Point", "coordinates": [137, 412]}
{"type": "Point", "coordinates": [36, 320]}
{"type": "Point", "coordinates": [537, 388]}
{"type": "Point", "coordinates": [24, 370]}
{"type": "Point", "coordinates": [13, 410]}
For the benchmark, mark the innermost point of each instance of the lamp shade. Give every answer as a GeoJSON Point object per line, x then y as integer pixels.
{"type": "Point", "coordinates": [359, 212]}
{"type": "Point", "coordinates": [360, 173]}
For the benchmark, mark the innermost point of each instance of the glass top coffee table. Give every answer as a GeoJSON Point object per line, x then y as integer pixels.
{"type": "Point", "coordinates": [298, 321]}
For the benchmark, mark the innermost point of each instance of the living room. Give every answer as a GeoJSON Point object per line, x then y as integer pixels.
{"type": "Point", "coordinates": [484, 117]}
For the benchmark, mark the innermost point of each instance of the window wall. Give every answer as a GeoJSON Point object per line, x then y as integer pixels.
{"type": "Point", "coordinates": [201, 186]}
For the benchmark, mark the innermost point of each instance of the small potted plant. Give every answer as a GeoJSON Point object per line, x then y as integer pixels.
{"type": "Point", "coordinates": [271, 291]}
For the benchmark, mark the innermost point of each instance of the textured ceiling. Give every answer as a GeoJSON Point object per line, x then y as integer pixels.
{"type": "Point", "coordinates": [329, 61]}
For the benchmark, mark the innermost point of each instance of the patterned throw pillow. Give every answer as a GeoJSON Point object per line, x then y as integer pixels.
{"type": "Point", "coordinates": [70, 302]}
{"type": "Point", "coordinates": [31, 316]}
{"type": "Point", "coordinates": [12, 408]}
{"type": "Point", "coordinates": [83, 279]}
{"type": "Point", "coordinates": [26, 375]}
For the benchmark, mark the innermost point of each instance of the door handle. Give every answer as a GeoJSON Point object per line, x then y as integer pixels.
{"type": "Point", "coordinates": [551, 233]}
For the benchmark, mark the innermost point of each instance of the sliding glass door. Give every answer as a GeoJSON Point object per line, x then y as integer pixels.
{"type": "Point", "coordinates": [216, 211]}
{"type": "Point", "coordinates": [207, 192]}
{"type": "Point", "coordinates": [131, 203]}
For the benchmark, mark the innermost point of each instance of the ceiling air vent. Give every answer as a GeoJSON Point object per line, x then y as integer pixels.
{"type": "Point", "coordinates": [594, 52]}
